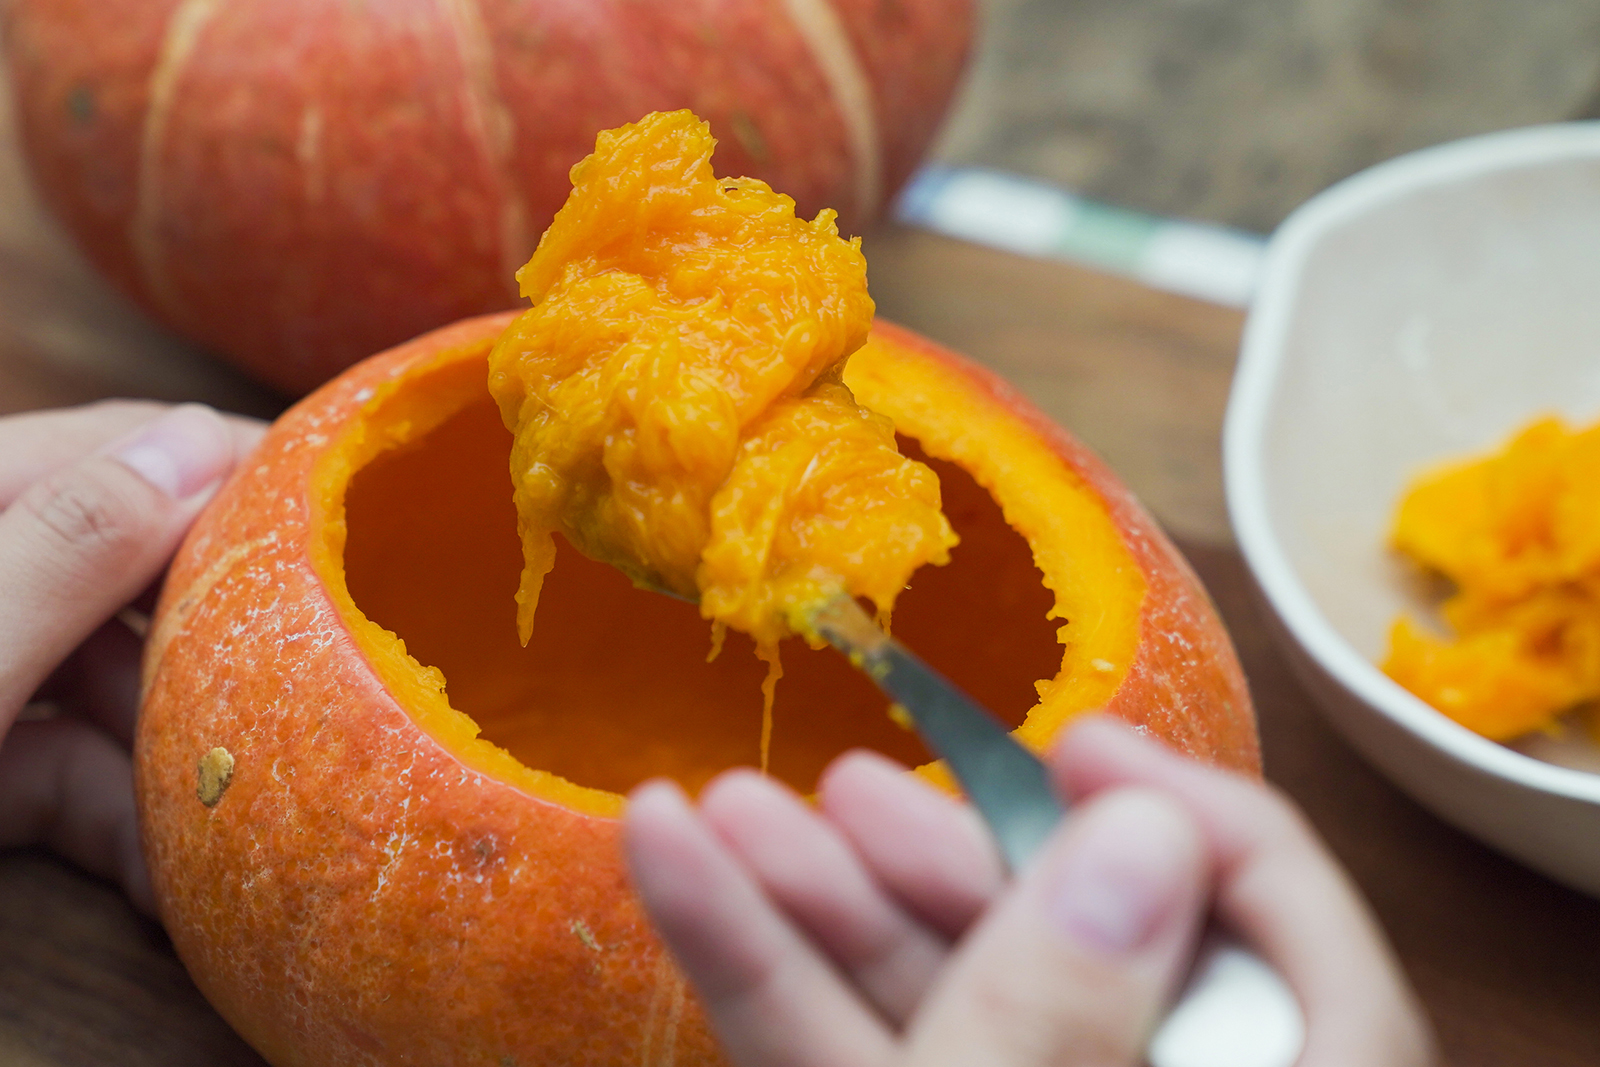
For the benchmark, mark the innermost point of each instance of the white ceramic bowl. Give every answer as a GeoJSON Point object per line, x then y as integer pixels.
{"type": "Point", "coordinates": [1421, 310]}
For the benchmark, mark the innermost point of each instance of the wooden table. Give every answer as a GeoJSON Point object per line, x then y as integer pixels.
{"type": "Point", "coordinates": [1503, 958]}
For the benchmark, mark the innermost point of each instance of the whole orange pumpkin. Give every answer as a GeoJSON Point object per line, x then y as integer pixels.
{"type": "Point", "coordinates": [381, 831]}
{"type": "Point", "coordinates": [299, 183]}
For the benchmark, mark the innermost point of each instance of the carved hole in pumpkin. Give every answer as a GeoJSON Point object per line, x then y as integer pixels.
{"type": "Point", "coordinates": [614, 688]}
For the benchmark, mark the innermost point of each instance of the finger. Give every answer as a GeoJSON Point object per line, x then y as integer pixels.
{"type": "Point", "coordinates": [1279, 888]}
{"type": "Point", "coordinates": [85, 540]}
{"type": "Point", "coordinates": [35, 443]}
{"type": "Point", "coordinates": [38, 443]}
{"type": "Point", "coordinates": [925, 848]}
{"type": "Point", "coordinates": [773, 999]}
{"type": "Point", "coordinates": [66, 785]}
{"type": "Point", "coordinates": [99, 681]}
{"type": "Point", "coordinates": [810, 872]}
{"type": "Point", "coordinates": [1071, 966]}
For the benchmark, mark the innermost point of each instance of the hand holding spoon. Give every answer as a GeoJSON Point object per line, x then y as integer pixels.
{"type": "Point", "coordinates": [1235, 1010]}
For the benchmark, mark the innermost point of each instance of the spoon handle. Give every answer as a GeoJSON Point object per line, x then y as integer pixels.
{"type": "Point", "coordinates": [1005, 782]}
{"type": "Point", "coordinates": [1235, 1009]}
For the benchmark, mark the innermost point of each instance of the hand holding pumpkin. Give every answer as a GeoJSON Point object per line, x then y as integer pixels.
{"type": "Point", "coordinates": [879, 930]}
{"type": "Point", "coordinates": [93, 502]}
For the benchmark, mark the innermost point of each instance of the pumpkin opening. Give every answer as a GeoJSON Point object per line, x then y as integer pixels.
{"type": "Point", "coordinates": [415, 541]}
{"type": "Point", "coordinates": [613, 687]}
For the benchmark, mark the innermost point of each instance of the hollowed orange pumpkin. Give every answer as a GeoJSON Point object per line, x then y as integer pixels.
{"type": "Point", "coordinates": [381, 831]}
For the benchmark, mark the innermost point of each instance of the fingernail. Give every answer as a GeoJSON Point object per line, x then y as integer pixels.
{"type": "Point", "coordinates": [181, 453]}
{"type": "Point", "coordinates": [658, 793]}
{"type": "Point", "coordinates": [1125, 872]}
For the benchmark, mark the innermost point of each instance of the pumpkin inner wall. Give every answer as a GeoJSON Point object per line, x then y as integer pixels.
{"type": "Point", "coordinates": [613, 687]}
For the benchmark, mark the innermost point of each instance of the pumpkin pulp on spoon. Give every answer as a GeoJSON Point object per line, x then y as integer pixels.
{"type": "Point", "coordinates": [676, 401]}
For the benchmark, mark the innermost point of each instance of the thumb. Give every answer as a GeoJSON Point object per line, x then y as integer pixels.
{"type": "Point", "coordinates": [1073, 965]}
{"type": "Point", "coordinates": [79, 544]}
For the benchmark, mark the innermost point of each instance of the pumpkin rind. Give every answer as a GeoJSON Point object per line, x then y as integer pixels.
{"type": "Point", "coordinates": [1185, 685]}
{"type": "Point", "coordinates": [357, 892]}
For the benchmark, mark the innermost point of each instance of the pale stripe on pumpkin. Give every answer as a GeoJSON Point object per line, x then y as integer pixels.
{"type": "Point", "coordinates": [820, 27]}
{"type": "Point", "coordinates": [177, 616]}
{"type": "Point", "coordinates": [188, 19]}
{"type": "Point", "coordinates": [308, 151]}
{"type": "Point", "coordinates": [659, 1047]}
{"type": "Point", "coordinates": [491, 123]}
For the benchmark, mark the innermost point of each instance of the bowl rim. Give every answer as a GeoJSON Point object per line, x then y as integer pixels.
{"type": "Point", "coordinates": [1261, 357]}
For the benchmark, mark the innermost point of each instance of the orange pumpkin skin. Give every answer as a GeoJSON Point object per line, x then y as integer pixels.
{"type": "Point", "coordinates": [358, 894]}
{"type": "Point", "coordinates": [296, 184]}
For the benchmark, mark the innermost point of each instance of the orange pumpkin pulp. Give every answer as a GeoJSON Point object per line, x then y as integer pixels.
{"type": "Point", "coordinates": [1518, 535]}
{"type": "Point", "coordinates": [676, 399]}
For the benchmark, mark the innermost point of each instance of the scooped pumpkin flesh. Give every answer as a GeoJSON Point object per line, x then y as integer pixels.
{"type": "Point", "coordinates": [1518, 534]}
{"type": "Point", "coordinates": [676, 399]}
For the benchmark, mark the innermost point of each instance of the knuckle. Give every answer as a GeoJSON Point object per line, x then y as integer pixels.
{"type": "Point", "coordinates": [85, 514]}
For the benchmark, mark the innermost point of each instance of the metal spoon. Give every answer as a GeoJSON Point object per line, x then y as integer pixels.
{"type": "Point", "coordinates": [1234, 1011]}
